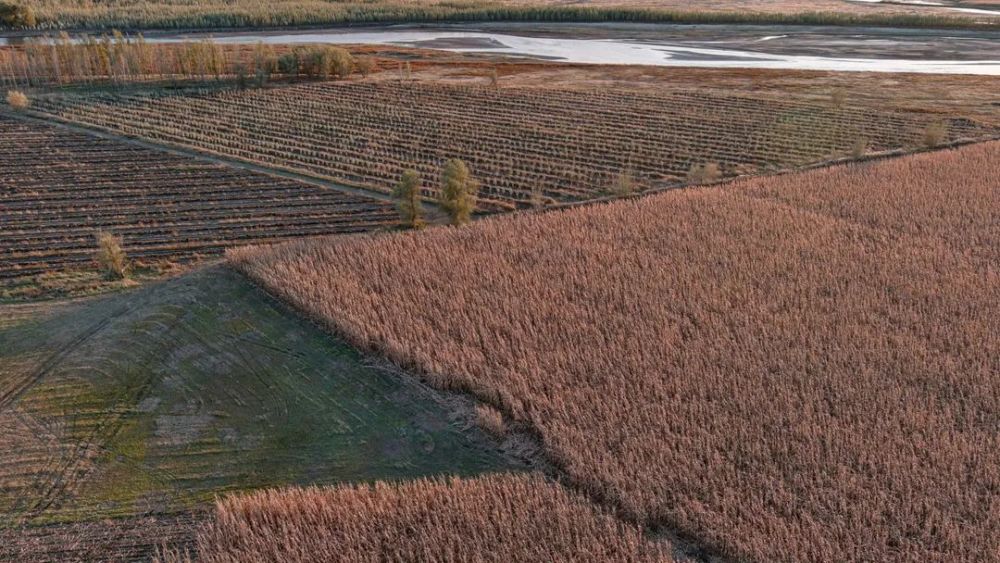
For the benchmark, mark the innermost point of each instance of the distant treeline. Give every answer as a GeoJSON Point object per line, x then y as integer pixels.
{"type": "Point", "coordinates": [118, 59]}
{"type": "Point", "coordinates": [59, 14]}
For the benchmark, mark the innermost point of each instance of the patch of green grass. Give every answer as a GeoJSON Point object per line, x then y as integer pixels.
{"type": "Point", "coordinates": [202, 384]}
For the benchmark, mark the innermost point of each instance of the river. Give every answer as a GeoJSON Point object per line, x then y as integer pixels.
{"type": "Point", "coordinates": [714, 46]}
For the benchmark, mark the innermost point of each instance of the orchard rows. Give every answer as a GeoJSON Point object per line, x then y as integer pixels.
{"type": "Point", "coordinates": [59, 189]}
{"type": "Point", "coordinates": [524, 145]}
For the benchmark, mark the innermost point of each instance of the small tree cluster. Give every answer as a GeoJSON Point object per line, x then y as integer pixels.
{"type": "Point", "coordinates": [321, 61]}
{"type": "Point", "coordinates": [459, 191]}
{"type": "Point", "coordinates": [17, 15]}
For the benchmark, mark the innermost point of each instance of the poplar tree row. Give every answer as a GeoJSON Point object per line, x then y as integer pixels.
{"type": "Point", "coordinates": [120, 59]}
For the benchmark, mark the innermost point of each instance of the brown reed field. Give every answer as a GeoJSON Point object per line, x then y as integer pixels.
{"type": "Point", "coordinates": [500, 517]}
{"type": "Point", "coordinates": [801, 367]}
{"type": "Point", "coordinates": [159, 14]}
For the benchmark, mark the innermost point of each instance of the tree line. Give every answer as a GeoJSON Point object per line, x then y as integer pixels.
{"type": "Point", "coordinates": [117, 59]}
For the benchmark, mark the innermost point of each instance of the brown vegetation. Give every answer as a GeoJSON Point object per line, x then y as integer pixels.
{"type": "Point", "coordinates": [491, 518]}
{"type": "Point", "coordinates": [59, 187]}
{"type": "Point", "coordinates": [800, 367]}
{"type": "Point", "coordinates": [160, 14]}
{"type": "Point", "coordinates": [110, 541]}
{"type": "Point", "coordinates": [491, 420]}
{"type": "Point", "coordinates": [118, 59]}
{"type": "Point", "coordinates": [521, 142]}
{"type": "Point", "coordinates": [17, 99]}
{"type": "Point", "coordinates": [111, 257]}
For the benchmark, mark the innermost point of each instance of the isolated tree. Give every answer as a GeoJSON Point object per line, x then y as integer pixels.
{"type": "Point", "coordinates": [110, 256]}
{"type": "Point", "coordinates": [407, 194]}
{"type": "Point", "coordinates": [17, 100]}
{"type": "Point", "coordinates": [458, 191]}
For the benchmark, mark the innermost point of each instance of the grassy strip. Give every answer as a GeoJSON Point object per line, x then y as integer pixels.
{"type": "Point", "coordinates": [159, 16]}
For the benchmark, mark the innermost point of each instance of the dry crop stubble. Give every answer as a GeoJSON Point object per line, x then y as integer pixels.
{"type": "Point", "coordinates": [523, 144]}
{"type": "Point", "coordinates": [501, 517]}
{"type": "Point", "coordinates": [776, 372]}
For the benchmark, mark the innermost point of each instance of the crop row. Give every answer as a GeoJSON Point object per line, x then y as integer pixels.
{"type": "Point", "coordinates": [60, 188]}
{"type": "Point", "coordinates": [523, 144]}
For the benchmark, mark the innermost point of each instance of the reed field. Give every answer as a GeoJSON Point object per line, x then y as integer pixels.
{"type": "Point", "coordinates": [526, 146]}
{"type": "Point", "coordinates": [799, 367]}
{"type": "Point", "coordinates": [161, 14]}
{"type": "Point", "coordinates": [502, 517]}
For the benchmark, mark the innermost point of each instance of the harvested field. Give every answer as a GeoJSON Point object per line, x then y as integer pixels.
{"type": "Point", "coordinates": [491, 518]}
{"type": "Point", "coordinates": [523, 144]}
{"type": "Point", "coordinates": [801, 367]}
{"type": "Point", "coordinates": [110, 541]}
{"type": "Point", "coordinates": [59, 188]}
{"type": "Point", "coordinates": [155, 401]}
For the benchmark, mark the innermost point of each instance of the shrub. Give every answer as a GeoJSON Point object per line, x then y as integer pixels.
{"type": "Point", "coordinates": [935, 134]}
{"type": "Point", "coordinates": [623, 184]}
{"type": "Point", "coordinates": [365, 66]}
{"type": "Point", "coordinates": [407, 194]}
{"type": "Point", "coordinates": [704, 173]}
{"type": "Point", "coordinates": [859, 147]}
{"type": "Point", "coordinates": [288, 64]}
{"type": "Point", "coordinates": [458, 191]}
{"type": "Point", "coordinates": [838, 97]}
{"type": "Point", "coordinates": [17, 99]}
{"type": "Point", "coordinates": [110, 256]}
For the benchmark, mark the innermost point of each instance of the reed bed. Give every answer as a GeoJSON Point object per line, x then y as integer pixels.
{"type": "Point", "coordinates": [801, 367]}
{"type": "Point", "coordinates": [491, 518]}
{"type": "Point", "coordinates": [147, 14]}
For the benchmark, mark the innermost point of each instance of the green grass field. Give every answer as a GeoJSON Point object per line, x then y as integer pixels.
{"type": "Point", "coordinates": [158, 399]}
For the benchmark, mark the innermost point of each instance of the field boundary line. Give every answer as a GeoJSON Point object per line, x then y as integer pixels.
{"type": "Point", "coordinates": [831, 163]}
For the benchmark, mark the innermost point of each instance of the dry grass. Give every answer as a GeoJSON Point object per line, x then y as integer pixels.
{"type": "Point", "coordinates": [491, 420]}
{"type": "Point", "coordinates": [800, 367]}
{"type": "Point", "coordinates": [493, 518]}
